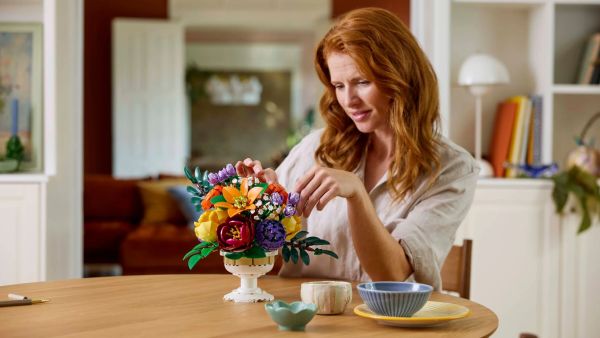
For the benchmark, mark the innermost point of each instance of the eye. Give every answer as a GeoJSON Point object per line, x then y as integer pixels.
{"type": "Point", "coordinates": [364, 82]}
{"type": "Point", "coordinates": [338, 86]}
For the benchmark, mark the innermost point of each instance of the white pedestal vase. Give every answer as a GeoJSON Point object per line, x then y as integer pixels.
{"type": "Point", "coordinates": [248, 270]}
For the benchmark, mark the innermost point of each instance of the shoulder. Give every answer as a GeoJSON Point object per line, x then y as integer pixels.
{"type": "Point", "coordinates": [456, 164]}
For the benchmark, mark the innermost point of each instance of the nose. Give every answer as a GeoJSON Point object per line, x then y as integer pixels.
{"type": "Point", "coordinates": [350, 97]}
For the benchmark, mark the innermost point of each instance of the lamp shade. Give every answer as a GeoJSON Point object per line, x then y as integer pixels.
{"type": "Point", "coordinates": [482, 69]}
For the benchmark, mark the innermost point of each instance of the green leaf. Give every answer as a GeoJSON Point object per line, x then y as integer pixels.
{"type": "Point", "coordinates": [188, 174]}
{"type": "Point", "coordinates": [204, 244]}
{"type": "Point", "coordinates": [195, 200]}
{"type": "Point", "coordinates": [197, 174]}
{"type": "Point", "coordinates": [312, 240]}
{"type": "Point", "coordinates": [205, 175]}
{"type": "Point", "coordinates": [191, 190]}
{"type": "Point", "coordinates": [234, 255]}
{"type": "Point", "coordinates": [217, 199]}
{"type": "Point", "coordinates": [325, 252]}
{"type": "Point", "coordinates": [189, 253]}
{"type": "Point", "coordinates": [285, 253]}
{"type": "Point", "coordinates": [207, 251]}
{"type": "Point", "coordinates": [560, 192]}
{"type": "Point", "coordinates": [193, 260]}
{"type": "Point", "coordinates": [255, 252]}
{"type": "Point", "coordinates": [304, 256]}
{"type": "Point", "coordinates": [294, 254]}
{"type": "Point", "coordinates": [299, 235]}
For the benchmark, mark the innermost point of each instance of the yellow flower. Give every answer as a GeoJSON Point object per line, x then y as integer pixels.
{"type": "Point", "coordinates": [292, 226]}
{"type": "Point", "coordinates": [206, 227]}
{"type": "Point", "coordinates": [239, 200]}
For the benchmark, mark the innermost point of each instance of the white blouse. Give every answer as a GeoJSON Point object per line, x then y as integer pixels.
{"type": "Point", "coordinates": [424, 222]}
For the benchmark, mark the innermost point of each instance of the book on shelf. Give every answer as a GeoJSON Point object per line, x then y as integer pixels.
{"type": "Point", "coordinates": [518, 147]}
{"type": "Point", "coordinates": [534, 143]}
{"type": "Point", "coordinates": [501, 138]}
{"type": "Point", "coordinates": [596, 74]}
{"type": "Point", "coordinates": [588, 66]}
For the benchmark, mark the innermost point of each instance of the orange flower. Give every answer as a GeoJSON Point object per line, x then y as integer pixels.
{"type": "Point", "coordinates": [216, 191]}
{"type": "Point", "coordinates": [278, 188]}
{"type": "Point", "coordinates": [239, 200]}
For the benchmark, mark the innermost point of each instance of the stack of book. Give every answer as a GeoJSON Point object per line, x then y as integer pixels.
{"type": "Point", "coordinates": [589, 69]}
{"type": "Point", "coordinates": [517, 138]}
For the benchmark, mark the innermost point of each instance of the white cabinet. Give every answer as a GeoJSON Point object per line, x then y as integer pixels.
{"type": "Point", "coordinates": [514, 268]}
{"type": "Point", "coordinates": [22, 232]}
{"type": "Point", "coordinates": [529, 265]}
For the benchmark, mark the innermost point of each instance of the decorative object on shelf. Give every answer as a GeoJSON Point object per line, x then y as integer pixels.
{"type": "Point", "coordinates": [584, 187]}
{"type": "Point", "coordinates": [534, 171]}
{"type": "Point", "coordinates": [580, 179]}
{"type": "Point", "coordinates": [248, 220]}
{"type": "Point", "coordinates": [480, 72]}
{"type": "Point", "coordinates": [20, 97]}
{"type": "Point", "coordinates": [585, 156]}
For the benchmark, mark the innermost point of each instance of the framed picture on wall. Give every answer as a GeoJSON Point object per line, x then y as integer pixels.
{"type": "Point", "coordinates": [21, 106]}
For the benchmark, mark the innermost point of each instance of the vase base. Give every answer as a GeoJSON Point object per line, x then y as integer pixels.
{"type": "Point", "coordinates": [244, 296]}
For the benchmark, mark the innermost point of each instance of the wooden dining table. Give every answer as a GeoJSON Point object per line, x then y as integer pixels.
{"type": "Point", "coordinates": [193, 306]}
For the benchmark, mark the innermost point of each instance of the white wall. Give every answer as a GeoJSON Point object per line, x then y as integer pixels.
{"type": "Point", "coordinates": [64, 204]}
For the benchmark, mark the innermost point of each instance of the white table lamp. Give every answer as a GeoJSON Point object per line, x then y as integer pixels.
{"type": "Point", "coordinates": [480, 72]}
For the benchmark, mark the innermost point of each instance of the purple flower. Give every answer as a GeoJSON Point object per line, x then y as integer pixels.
{"type": "Point", "coordinates": [276, 198]}
{"type": "Point", "coordinates": [289, 211]}
{"type": "Point", "coordinates": [213, 178]}
{"type": "Point", "coordinates": [230, 169]}
{"type": "Point", "coordinates": [294, 198]}
{"type": "Point", "coordinates": [222, 175]}
{"type": "Point", "coordinates": [270, 235]}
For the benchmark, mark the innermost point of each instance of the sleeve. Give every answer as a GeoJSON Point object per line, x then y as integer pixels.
{"type": "Point", "coordinates": [428, 231]}
{"type": "Point", "coordinates": [299, 160]}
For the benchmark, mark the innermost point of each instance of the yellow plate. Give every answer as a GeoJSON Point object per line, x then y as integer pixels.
{"type": "Point", "coordinates": [432, 314]}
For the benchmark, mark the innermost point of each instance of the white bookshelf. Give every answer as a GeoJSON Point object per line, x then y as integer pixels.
{"type": "Point", "coordinates": [541, 43]}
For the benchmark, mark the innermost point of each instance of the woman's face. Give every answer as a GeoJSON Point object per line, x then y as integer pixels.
{"type": "Point", "coordinates": [362, 101]}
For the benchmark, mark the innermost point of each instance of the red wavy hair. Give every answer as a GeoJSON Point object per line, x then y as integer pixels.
{"type": "Point", "coordinates": [387, 54]}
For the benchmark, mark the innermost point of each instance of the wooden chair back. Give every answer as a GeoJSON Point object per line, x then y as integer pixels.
{"type": "Point", "coordinates": [456, 271]}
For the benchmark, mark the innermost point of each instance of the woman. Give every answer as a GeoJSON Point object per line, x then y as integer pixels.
{"type": "Point", "coordinates": [388, 190]}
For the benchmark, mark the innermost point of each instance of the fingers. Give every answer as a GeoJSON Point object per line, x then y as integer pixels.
{"type": "Point", "coordinates": [248, 167]}
{"type": "Point", "coordinates": [315, 197]}
{"type": "Point", "coordinates": [268, 175]}
{"type": "Point", "coordinates": [328, 196]}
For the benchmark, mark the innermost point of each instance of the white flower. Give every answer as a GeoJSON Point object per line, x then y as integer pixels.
{"type": "Point", "coordinates": [258, 203]}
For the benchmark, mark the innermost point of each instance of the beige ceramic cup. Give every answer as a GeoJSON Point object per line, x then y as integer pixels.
{"type": "Point", "coordinates": [331, 297]}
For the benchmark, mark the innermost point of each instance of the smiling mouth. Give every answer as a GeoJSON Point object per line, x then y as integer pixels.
{"type": "Point", "coordinates": [361, 115]}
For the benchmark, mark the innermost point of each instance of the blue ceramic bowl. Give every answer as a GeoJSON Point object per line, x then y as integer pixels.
{"type": "Point", "coordinates": [291, 317]}
{"type": "Point", "coordinates": [394, 299]}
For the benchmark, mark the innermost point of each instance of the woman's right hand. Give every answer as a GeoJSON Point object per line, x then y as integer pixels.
{"type": "Point", "coordinates": [250, 167]}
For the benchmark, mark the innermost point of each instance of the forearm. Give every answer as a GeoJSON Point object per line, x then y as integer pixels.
{"type": "Point", "coordinates": [380, 254]}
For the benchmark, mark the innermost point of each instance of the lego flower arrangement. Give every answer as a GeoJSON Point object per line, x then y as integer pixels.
{"type": "Point", "coordinates": [247, 218]}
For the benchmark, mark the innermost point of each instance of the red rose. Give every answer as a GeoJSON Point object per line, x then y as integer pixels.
{"type": "Point", "coordinates": [236, 234]}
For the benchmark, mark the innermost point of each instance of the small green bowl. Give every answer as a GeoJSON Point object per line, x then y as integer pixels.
{"type": "Point", "coordinates": [291, 317]}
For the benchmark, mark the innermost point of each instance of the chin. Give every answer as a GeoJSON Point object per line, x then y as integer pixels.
{"type": "Point", "coordinates": [364, 128]}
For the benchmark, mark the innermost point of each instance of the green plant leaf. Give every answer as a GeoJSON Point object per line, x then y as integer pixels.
{"type": "Point", "coordinates": [326, 252]}
{"type": "Point", "coordinates": [195, 200]}
{"type": "Point", "coordinates": [217, 199]}
{"type": "Point", "coordinates": [204, 244]}
{"type": "Point", "coordinates": [207, 251]}
{"type": "Point", "coordinates": [299, 235]}
{"type": "Point", "coordinates": [294, 255]}
{"type": "Point", "coordinates": [193, 260]}
{"type": "Point", "coordinates": [255, 252]}
{"type": "Point", "coordinates": [285, 253]}
{"type": "Point", "coordinates": [312, 240]}
{"type": "Point", "coordinates": [304, 256]}
{"type": "Point", "coordinates": [189, 253]}
{"type": "Point", "coordinates": [560, 192]}
{"type": "Point", "coordinates": [188, 174]}
{"type": "Point", "coordinates": [234, 255]}
{"type": "Point", "coordinates": [205, 175]}
{"type": "Point", "coordinates": [191, 190]}
{"type": "Point", "coordinates": [197, 174]}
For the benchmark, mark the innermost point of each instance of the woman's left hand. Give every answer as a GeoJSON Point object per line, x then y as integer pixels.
{"type": "Point", "coordinates": [320, 185]}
